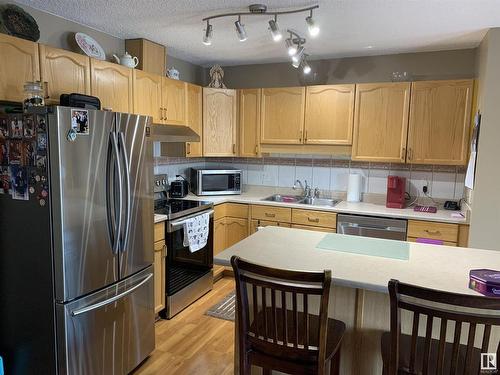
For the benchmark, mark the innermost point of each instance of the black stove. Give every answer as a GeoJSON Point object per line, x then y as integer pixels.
{"type": "Point", "coordinates": [175, 208]}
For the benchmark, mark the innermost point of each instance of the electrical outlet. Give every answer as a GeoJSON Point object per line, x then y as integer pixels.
{"type": "Point", "coordinates": [425, 189]}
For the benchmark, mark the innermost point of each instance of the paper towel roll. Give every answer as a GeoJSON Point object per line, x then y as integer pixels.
{"type": "Point", "coordinates": [354, 188]}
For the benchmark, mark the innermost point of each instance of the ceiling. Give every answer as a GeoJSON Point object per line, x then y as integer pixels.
{"type": "Point", "coordinates": [348, 27]}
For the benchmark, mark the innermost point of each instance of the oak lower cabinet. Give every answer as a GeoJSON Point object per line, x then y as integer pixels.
{"type": "Point", "coordinates": [440, 123]}
{"type": "Point", "coordinates": [113, 85]}
{"type": "Point", "coordinates": [445, 232]}
{"type": "Point", "coordinates": [174, 102]}
{"type": "Point", "coordinates": [219, 122]}
{"type": "Point", "coordinates": [249, 124]}
{"type": "Point", "coordinates": [314, 218]}
{"type": "Point", "coordinates": [256, 223]}
{"type": "Point", "coordinates": [282, 111]}
{"type": "Point", "coordinates": [147, 95]}
{"type": "Point", "coordinates": [329, 114]}
{"type": "Point", "coordinates": [160, 253]}
{"type": "Point", "coordinates": [194, 118]}
{"type": "Point", "coordinates": [381, 122]}
{"type": "Point", "coordinates": [63, 72]}
{"type": "Point", "coordinates": [19, 63]}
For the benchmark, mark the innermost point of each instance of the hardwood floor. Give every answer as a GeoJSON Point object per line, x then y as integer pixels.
{"type": "Point", "coordinates": [193, 343]}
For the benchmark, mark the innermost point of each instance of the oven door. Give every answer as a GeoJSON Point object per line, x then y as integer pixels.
{"type": "Point", "coordinates": [216, 182]}
{"type": "Point", "coordinates": [180, 255]}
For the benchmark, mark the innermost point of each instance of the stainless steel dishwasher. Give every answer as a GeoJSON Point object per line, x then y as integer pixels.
{"type": "Point", "coordinates": [369, 226]}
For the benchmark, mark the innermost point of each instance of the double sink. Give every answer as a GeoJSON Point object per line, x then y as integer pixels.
{"type": "Point", "coordinates": [310, 201]}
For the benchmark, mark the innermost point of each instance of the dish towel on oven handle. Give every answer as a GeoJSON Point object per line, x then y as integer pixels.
{"type": "Point", "coordinates": [196, 232]}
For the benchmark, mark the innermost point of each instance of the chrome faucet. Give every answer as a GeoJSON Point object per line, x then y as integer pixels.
{"type": "Point", "coordinates": [295, 185]}
{"type": "Point", "coordinates": [307, 191]}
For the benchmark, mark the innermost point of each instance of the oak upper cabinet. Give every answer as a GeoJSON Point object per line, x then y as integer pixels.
{"type": "Point", "coordinates": [113, 85]}
{"type": "Point", "coordinates": [219, 122]}
{"type": "Point", "coordinates": [147, 95]}
{"type": "Point", "coordinates": [282, 114]}
{"type": "Point", "coordinates": [174, 102]}
{"type": "Point", "coordinates": [194, 118]}
{"type": "Point", "coordinates": [249, 115]}
{"type": "Point", "coordinates": [63, 72]}
{"type": "Point", "coordinates": [381, 122]}
{"type": "Point", "coordinates": [19, 62]}
{"type": "Point", "coordinates": [329, 114]}
{"type": "Point", "coordinates": [440, 122]}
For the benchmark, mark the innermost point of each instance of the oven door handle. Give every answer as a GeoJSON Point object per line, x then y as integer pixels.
{"type": "Point", "coordinates": [177, 223]}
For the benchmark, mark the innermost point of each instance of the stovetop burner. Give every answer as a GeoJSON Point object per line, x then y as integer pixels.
{"type": "Point", "coordinates": [175, 208]}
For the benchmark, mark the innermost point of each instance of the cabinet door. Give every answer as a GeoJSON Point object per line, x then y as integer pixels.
{"type": "Point", "coordinates": [236, 230]}
{"type": "Point", "coordinates": [249, 107]}
{"type": "Point", "coordinates": [147, 95]}
{"type": "Point", "coordinates": [63, 72]}
{"type": "Point", "coordinates": [113, 85]}
{"type": "Point", "coordinates": [219, 122]}
{"type": "Point", "coordinates": [174, 100]}
{"type": "Point", "coordinates": [219, 235]}
{"type": "Point", "coordinates": [440, 122]}
{"type": "Point", "coordinates": [159, 279]}
{"type": "Point", "coordinates": [19, 63]}
{"type": "Point", "coordinates": [381, 122]}
{"type": "Point", "coordinates": [329, 114]}
{"type": "Point", "coordinates": [282, 114]}
{"type": "Point", "coordinates": [194, 116]}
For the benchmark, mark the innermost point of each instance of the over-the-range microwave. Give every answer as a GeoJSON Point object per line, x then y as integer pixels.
{"type": "Point", "coordinates": [215, 181]}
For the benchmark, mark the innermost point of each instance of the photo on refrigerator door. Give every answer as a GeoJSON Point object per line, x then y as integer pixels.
{"type": "Point", "coordinates": [19, 183]}
{"type": "Point", "coordinates": [16, 127]}
{"type": "Point", "coordinates": [29, 126]}
{"type": "Point", "coordinates": [29, 153]}
{"type": "Point", "coordinates": [4, 152]}
{"type": "Point", "coordinates": [80, 121]}
{"type": "Point", "coordinates": [4, 180]}
{"type": "Point", "coordinates": [4, 126]}
{"type": "Point", "coordinates": [15, 152]}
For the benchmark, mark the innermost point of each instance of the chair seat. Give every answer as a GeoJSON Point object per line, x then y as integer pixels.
{"type": "Point", "coordinates": [405, 350]}
{"type": "Point", "coordinates": [335, 333]}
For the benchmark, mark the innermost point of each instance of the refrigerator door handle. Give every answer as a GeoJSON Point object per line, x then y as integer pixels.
{"type": "Point", "coordinates": [109, 196]}
{"type": "Point", "coordinates": [119, 205]}
{"type": "Point", "coordinates": [126, 165]}
{"type": "Point", "coordinates": [108, 301]}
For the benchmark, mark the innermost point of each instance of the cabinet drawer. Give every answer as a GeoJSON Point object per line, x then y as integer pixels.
{"type": "Point", "coordinates": [310, 227]}
{"type": "Point", "coordinates": [314, 218]}
{"type": "Point", "coordinates": [271, 213]}
{"type": "Point", "coordinates": [436, 231]}
{"type": "Point", "coordinates": [446, 243]}
{"type": "Point", "coordinates": [237, 210]}
{"type": "Point", "coordinates": [159, 231]}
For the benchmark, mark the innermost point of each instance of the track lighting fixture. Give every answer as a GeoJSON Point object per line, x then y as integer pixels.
{"type": "Point", "coordinates": [275, 30]}
{"type": "Point", "coordinates": [306, 68]}
{"type": "Point", "coordinates": [298, 54]}
{"type": "Point", "coordinates": [311, 25]}
{"type": "Point", "coordinates": [240, 30]}
{"type": "Point", "coordinates": [207, 37]}
{"type": "Point", "coordinates": [291, 47]}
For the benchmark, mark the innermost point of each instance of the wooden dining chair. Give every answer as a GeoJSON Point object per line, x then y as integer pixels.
{"type": "Point", "coordinates": [276, 328]}
{"type": "Point", "coordinates": [450, 316]}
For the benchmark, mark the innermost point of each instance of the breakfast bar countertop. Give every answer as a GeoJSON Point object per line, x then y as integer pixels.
{"type": "Point", "coordinates": [438, 267]}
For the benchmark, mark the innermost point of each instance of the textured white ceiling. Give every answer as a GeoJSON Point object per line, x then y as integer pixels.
{"type": "Point", "coordinates": [348, 27]}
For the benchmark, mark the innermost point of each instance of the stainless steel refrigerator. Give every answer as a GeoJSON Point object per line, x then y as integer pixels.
{"type": "Point", "coordinates": [76, 238]}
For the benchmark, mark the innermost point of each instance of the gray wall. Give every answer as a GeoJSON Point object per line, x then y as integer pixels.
{"type": "Point", "coordinates": [485, 216]}
{"type": "Point", "coordinates": [58, 32]}
{"type": "Point", "coordinates": [421, 66]}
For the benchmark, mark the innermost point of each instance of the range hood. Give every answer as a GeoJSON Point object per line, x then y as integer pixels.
{"type": "Point", "coordinates": [173, 134]}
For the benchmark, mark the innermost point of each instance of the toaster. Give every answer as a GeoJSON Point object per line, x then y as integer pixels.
{"type": "Point", "coordinates": [179, 189]}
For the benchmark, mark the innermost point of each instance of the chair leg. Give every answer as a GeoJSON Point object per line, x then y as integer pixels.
{"type": "Point", "coordinates": [335, 363]}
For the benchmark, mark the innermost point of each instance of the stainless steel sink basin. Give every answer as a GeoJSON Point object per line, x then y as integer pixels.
{"type": "Point", "coordinates": [301, 200]}
{"type": "Point", "coordinates": [319, 202]}
{"type": "Point", "coordinates": [284, 198]}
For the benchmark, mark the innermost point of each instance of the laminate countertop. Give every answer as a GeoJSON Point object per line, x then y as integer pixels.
{"type": "Point", "coordinates": [438, 267]}
{"type": "Point", "coordinates": [255, 196]}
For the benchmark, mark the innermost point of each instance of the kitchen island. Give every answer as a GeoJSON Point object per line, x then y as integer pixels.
{"type": "Point", "coordinates": [359, 294]}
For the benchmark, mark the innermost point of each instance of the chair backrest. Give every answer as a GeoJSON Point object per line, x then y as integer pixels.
{"type": "Point", "coordinates": [477, 313]}
{"type": "Point", "coordinates": [274, 307]}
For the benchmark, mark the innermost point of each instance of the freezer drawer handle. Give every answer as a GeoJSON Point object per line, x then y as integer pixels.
{"type": "Point", "coordinates": [112, 299]}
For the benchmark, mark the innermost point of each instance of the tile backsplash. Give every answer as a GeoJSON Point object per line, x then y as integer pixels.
{"type": "Point", "coordinates": [328, 174]}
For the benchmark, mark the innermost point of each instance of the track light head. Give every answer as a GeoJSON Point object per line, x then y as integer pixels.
{"type": "Point", "coordinates": [298, 55]}
{"type": "Point", "coordinates": [275, 30]}
{"type": "Point", "coordinates": [291, 47]}
{"type": "Point", "coordinates": [240, 30]}
{"type": "Point", "coordinates": [207, 37]}
{"type": "Point", "coordinates": [312, 26]}
{"type": "Point", "coordinates": [306, 68]}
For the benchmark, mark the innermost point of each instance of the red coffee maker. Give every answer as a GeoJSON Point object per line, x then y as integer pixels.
{"type": "Point", "coordinates": [396, 188]}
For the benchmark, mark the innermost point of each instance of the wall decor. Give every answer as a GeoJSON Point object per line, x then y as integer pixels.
{"type": "Point", "coordinates": [216, 77]}
{"type": "Point", "coordinates": [90, 46]}
{"type": "Point", "coordinates": [294, 43]}
{"type": "Point", "coordinates": [17, 22]}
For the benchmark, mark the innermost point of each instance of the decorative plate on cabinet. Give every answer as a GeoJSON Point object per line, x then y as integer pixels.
{"type": "Point", "coordinates": [16, 22]}
{"type": "Point", "coordinates": [89, 46]}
